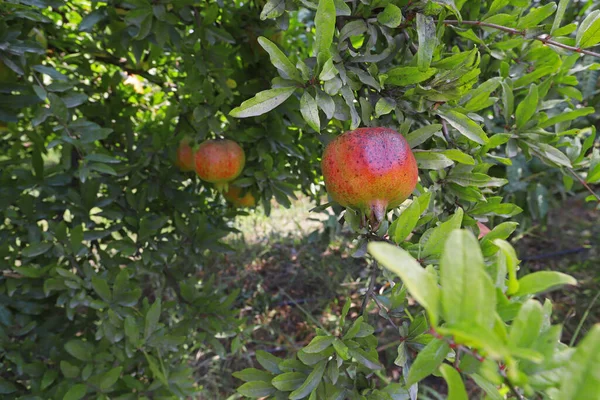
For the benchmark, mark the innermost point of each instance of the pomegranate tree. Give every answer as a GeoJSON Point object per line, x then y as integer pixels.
{"type": "Point", "coordinates": [219, 161]}
{"type": "Point", "coordinates": [370, 170]}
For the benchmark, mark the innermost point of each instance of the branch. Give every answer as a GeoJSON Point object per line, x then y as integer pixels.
{"type": "Point", "coordinates": [542, 38]}
{"type": "Point", "coordinates": [584, 183]}
{"type": "Point", "coordinates": [369, 294]}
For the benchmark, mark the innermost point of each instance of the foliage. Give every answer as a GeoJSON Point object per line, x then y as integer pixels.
{"type": "Point", "coordinates": [103, 240]}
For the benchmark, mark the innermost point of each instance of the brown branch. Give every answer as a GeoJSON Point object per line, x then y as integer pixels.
{"type": "Point", "coordinates": [584, 183]}
{"type": "Point", "coordinates": [542, 38]}
{"type": "Point", "coordinates": [369, 293]}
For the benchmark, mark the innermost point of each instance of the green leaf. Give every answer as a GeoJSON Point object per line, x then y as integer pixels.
{"type": "Point", "coordinates": [420, 283]}
{"type": "Point", "coordinates": [325, 28]}
{"type": "Point", "coordinates": [384, 106]}
{"type": "Point", "coordinates": [406, 222]}
{"type": "Point", "coordinates": [109, 378]}
{"type": "Point", "coordinates": [280, 60]}
{"type": "Point", "coordinates": [309, 111]}
{"type": "Point", "coordinates": [101, 288]}
{"type": "Point", "coordinates": [508, 100]}
{"type": "Point", "coordinates": [464, 125]}
{"type": "Point", "coordinates": [542, 281]}
{"type": "Point", "coordinates": [435, 242]}
{"type": "Point", "coordinates": [588, 34]}
{"type": "Point", "coordinates": [562, 6]}
{"type": "Point", "coordinates": [368, 360]}
{"type": "Point", "coordinates": [528, 107]}
{"type": "Point", "coordinates": [536, 15]}
{"type": "Point", "coordinates": [319, 343]}
{"type": "Point", "coordinates": [311, 382]}
{"type": "Point", "coordinates": [420, 135]}
{"type": "Point", "coordinates": [79, 349]}
{"type": "Point", "coordinates": [58, 107]}
{"type": "Point", "coordinates": [152, 317]}
{"type": "Point", "coordinates": [580, 379]}
{"type": "Point", "coordinates": [567, 116]}
{"type": "Point", "coordinates": [256, 389]}
{"type": "Point", "coordinates": [69, 370]}
{"type": "Point", "coordinates": [458, 156]}
{"type": "Point", "coordinates": [273, 9]}
{"type": "Point", "coordinates": [76, 392]}
{"type": "Point", "coordinates": [427, 41]}
{"type": "Point", "coordinates": [268, 361]}
{"type": "Point", "coordinates": [7, 387]}
{"type": "Point", "coordinates": [428, 360]}
{"type": "Point", "coordinates": [553, 154]}
{"type": "Point", "coordinates": [511, 264]}
{"type": "Point", "coordinates": [525, 329]}
{"type": "Point", "coordinates": [329, 71]}
{"type": "Point", "coordinates": [103, 168]}
{"type": "Point", "coordinates": [593, 174]}
{"type": "Point", "coordinates": [37, 249]}
{"type": "Point", "coordinates": [456, 386]}
{"type": "Point", "coordinates": [49, 377]}
{"type": "Point", "coordinates": [263, 102]}
{"type": "Point", "coordinates": [468, 294]}
{"type": "Point", "coordinates": [403, 76]}
{"type": "Point", "coordinates": [253, 374]}
{"type": "Point", "coordinates": [288, 381]}
{"type": "Point", "coordinates": [341, 349]}
{"type": "Point", "coordinates": [432, 160]}
{"type": "Point", "coordinates": [391, 16]}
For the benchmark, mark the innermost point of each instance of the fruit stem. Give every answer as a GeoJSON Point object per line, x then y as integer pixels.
{"type": "Point", "coordinates": [376, 211]}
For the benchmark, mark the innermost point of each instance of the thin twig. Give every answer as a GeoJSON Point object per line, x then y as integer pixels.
{"type": "Point", "coordinates": [542, 38]}
{"type": "Point", "coordinates": [382, 308]}
{"type": "Point", "coordinates": [582, 320]}
{"type": "Point", "coordinates": [584, 183]}
{"type": "Point", "coordinates": [445, 130]}
{"type": "Point", "coordinates": [368, 295]}
{"type": "Point", "coordinates": [513, 388]}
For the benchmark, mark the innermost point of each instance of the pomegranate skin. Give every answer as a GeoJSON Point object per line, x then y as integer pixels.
{"type": "Point", "coordinates": [185, 156]}
{"type": "Point", "coordinates": [233, 195]}
{"type": "Point", "coordinates": [219, 161]}
{"type": "Point", "coordinates": [371, 170]}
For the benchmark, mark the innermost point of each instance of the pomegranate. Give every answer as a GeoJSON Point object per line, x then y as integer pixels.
{"type": "Point", "coordinates": [234, 195]}
{"type": "Point", "coordinates": [185, 156]}
{"type": "Point", "coordinates": [219, 162]}
{"type": "Point", "coordinates": [370, 170]}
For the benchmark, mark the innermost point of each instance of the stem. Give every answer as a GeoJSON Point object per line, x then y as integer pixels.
{"type": "Point", "coordinates": [369, 294]}
{"type": "Point", "coordinates": [381, 307]}
{"type": "Point", "coordinates": [542, 38]}
{"type": "Point", "coordinates": [583, 318]}
{"type": "Point", "coordinates": [513, 389]}
{"type": "Point", "coordinates": [584, 183]}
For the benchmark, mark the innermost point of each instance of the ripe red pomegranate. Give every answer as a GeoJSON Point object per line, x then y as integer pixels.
{"type": "Point", "coordinates": [185, 156]}
{"type": "Point", "coordinates": [219, 162]}
{"type": "Point", "coordinates": [370, 170]}
{"type": "Point", "coordinates": [234, 195]}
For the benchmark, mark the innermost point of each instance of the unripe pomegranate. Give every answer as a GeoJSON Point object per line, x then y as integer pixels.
{"type": "Point", "coordinates": [219, 162]}
{"type": "Point", "coordinates": [185, 156]}
{"type": "Point", "coordinates": [370, 170]}
{"type": "Point", "coordinates": [234, 195]}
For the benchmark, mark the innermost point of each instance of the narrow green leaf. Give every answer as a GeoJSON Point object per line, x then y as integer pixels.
{"type": "Point", "coordinates": [591, 33]}
{"type": "Point", "coordinates": [554, 155]}
{"type": "Point", "coordinates": [268, 361]}
{"type": "Point", "coordinates": [256, 389]}
{"type": "Point", "coordinates": [280, 60]}
{"type": "Point", "coordinates": [525, 329]}
{"type": "Point", "coordinates": [76, 392]}
{"type": "Point", "coordinates": [435, 242]}
{"type": "Point", "coordinates": [536, 15]}
{"type": "Point", "coordinates": [253, 374]}
{"type": "Point", "coordinates": [329, 71]}
{"type": "Point", "coordinates": [528, 107]}
{"type": "Point", "coordinates": [432, 160]}
{"type": "Point", "coordinates": [368, 360]}
{"type": "Point", "coordinates": [542, 281]}
{"type": "Point", "coordinates": [37, 249]}
{"type": "Point", "coordinates": [511, 264]}
{"type": "Point", "coordinates": [341, 349]}
{"type": "Point", "coordinates": [428, 360]}
{"type": "Point", "coordinates": [109, 378]}
{"type": "Point", "coordinates": [567, 116]}
{"type": "Point", "coordinates": [152, 318]}
{"type": "Point", "coordinates": [464, 125]}
{"type": "Point", "coordinates": [272, 9]}
{"type": "Point", "coordinates": [288, 381]}
{"type": "Point", "coordinates": [263, 102]}
{"type": "Point", "coordinates": [427, 41]}
{"type": "Point", "coordinates": [562, 6]}
{"type": "Point", "coordinates": [403, 76]}
{"type": "Point", "coordinates": [458, 156]}
{"type": "Point", "coordinates": [79, 349]}
{"type": "Point", "coordinates": [311, 382]}
{"type": "Point", "coordinates": [580, 379]}
{"type": "Point", "coordinates": [508, 101]}
{"type": "Point", "coordinates": [325, 28]}
{"type": "Point", "coordinates": [406, 222]}
{"type": "Point", "coordinates": [456, 386]}
{"type": "Point", "coordinates": [319, 343]}
{"type": "Point", "coordinates": [310, 112]}
{"type": "Point", "coordinates": [101, 288]}
{"type": "Point", "coordinates": [420, 283]}
{"type": "Point", "coordinates": [468, 294]}
{"type": "Point", "coordinates": [420, 135]}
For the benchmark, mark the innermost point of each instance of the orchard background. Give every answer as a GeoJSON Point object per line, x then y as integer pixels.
{"type": "Point", "coordinates": [124, 277]}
